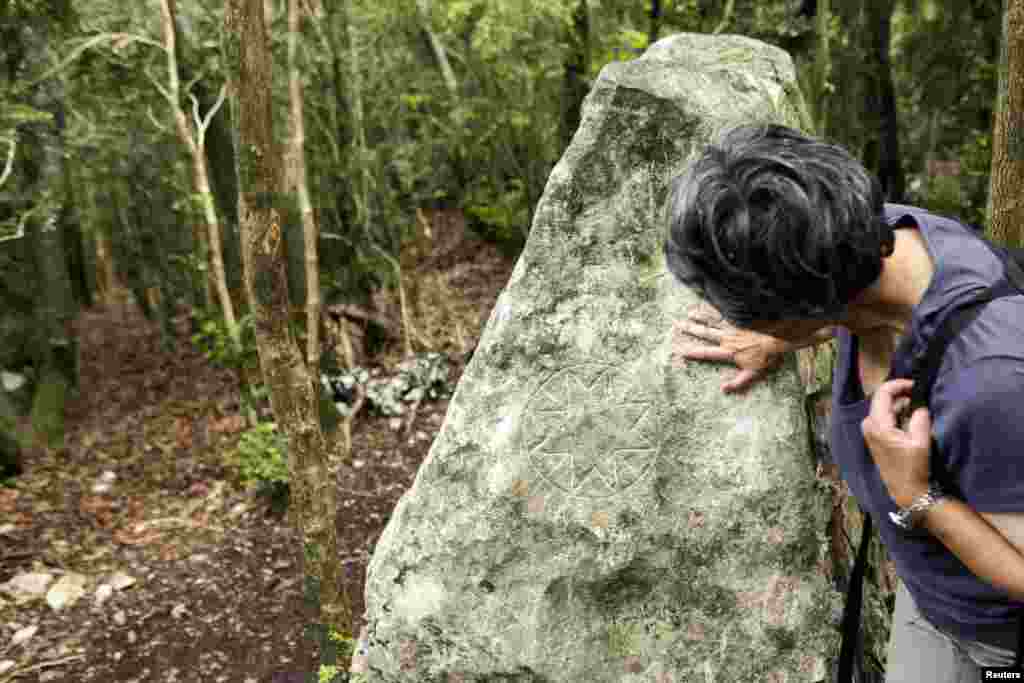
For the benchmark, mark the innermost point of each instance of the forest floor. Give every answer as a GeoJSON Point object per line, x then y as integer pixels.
{"type": "Point", "coordinates": [207, 581]}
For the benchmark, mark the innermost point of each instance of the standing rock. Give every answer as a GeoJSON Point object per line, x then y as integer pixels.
{"type": "Point", "coordinates": [594, 508]}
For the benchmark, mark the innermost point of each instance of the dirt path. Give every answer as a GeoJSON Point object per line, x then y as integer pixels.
{"type": "Point", "coordinates": [215, 588]}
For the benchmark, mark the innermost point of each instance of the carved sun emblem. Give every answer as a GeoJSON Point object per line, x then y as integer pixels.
{"type": "Point", "coordinates": [585, 434]}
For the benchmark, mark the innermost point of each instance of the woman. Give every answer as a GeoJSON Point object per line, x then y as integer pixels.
{"type": "Point", "coordinates": [790, 240]}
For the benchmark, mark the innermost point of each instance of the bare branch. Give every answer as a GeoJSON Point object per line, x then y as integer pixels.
{"type": "Point", "coordinates": [20, 230]}
{"type": "Point", "coordinates": [215, 108]}
{"type": "Point", "coordinates": [9, 165]}
{"type": "Point", "coordinates": [160, 126]}
{"type": "Point", "coordinates": [199, 77]}
{"type": "Point", "coordinates": [196, 118]}
{"type": "Point", "coordinates": [156, 83]}
{"type": "Point", "coordinates": [122, 39]}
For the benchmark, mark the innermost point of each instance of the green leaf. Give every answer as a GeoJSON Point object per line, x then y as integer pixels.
{"type": "Point", "coordinates": [16, 114]}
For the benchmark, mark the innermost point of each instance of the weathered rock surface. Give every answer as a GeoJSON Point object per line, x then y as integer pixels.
{"type": "Point", "coordinates": [595, 508]}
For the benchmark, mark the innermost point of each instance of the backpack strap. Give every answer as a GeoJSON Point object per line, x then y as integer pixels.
{"type": "Point", "coordinates": [924, 369]}
{"type": "Point", "coordinates": [854, 600]}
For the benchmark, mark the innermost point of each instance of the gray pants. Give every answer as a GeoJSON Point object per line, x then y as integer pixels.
{"type": "Point", "coordinates": [921, 653]}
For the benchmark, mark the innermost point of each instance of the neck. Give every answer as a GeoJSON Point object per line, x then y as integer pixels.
{"type": "Point", "coordinates": [884, 310]}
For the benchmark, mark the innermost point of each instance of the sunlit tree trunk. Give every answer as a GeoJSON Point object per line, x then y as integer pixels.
{"type": "Point", "coordinates": [193, 141]}
{"type": "Point", "coordinates": [309, 228]}
{"type": "Point", "coordinates": [424, 8]}
{"type": "Point", "coordinates": [293, 392]}
{"type": "Point", "coordinates": [1006, 199]}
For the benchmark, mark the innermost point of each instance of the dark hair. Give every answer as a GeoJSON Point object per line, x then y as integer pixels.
{"type": "Point", "coordinates": [770, 224]}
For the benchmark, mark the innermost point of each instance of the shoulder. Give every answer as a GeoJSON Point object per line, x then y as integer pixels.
{"type": "Point", "coordinates": [989, 379]}
{"type": "Point", "coordinates": [982, 402]}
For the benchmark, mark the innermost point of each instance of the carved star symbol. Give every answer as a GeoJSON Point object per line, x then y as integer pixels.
{"type": "Point", "coordinates": [585, 436]}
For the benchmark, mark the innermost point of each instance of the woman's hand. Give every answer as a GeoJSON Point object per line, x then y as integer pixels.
{"type": "Point", "coordinates": [901, 455]}
{"type": "Point", "coordinates": [755, 354]}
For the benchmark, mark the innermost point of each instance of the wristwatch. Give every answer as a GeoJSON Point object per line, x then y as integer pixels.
{"type": "Point", "coordinates": [909, 517]}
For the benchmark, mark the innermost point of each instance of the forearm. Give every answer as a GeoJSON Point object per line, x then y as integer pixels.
{"type": "Point", "coordinates": [978, 545]}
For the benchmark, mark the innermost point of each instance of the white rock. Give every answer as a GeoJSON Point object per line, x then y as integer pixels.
{"type": "Point", "coordinates": [120, 581]}
{"type": "Point", "coordinates": [66, 592]}
{"type": "Point", "coordinates": [555, 545]}
{"type": "Point", "coordinates": [28, 586]}
{"type": "Point", "coordinates": [103, 593]}
{"type": "Point", "coordinates": [22, 635]}
{"type": "Point", "coordinates": [12, 381]}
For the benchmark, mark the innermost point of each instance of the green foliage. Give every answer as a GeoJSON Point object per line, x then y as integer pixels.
{"type": "Point", "coordinates": [48, 409]}
{"type": "Point", "coordinates": [214, 340]}
{"type": "Point", "coordinates": [327, 674]}
{"type": "Point", "coordinates": [944, 196]}
{"type": "Point", "coordinates": [975, 154]}
{"type": "Point", "coordinates": [14, 114]}
{"type": "Point", "coordinates": [262, 453]}
{"type": "Point", "coordinates": [502, 220]}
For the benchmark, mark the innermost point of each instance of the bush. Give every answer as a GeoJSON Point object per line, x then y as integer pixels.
{"type": "Point", "coordinates": [263, 453]}
{"type": "Point", "coordinates": [215, 343]}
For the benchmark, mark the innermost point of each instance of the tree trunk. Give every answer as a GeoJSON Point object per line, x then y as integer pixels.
{"type": "Point", "coordinates": [293, 393]}
{"type": "Point", "coordinates": [194, 143]}
{"type": "Point", "coordinates": [309, 228]}
{"type": "Point", "coordinates": [577, 67]}
{"type": "Point", "coordinates": [55, 345]}
{"type": "Point", "coordinates": [220, 160]}
{"type": "Point", "coordinates": [74, 239]}
{"type": "Point", "coordinates": [888, 169]}
{"type": "Point", "coordinates": [655, 26]}
{"type": "Point", "coordinates": [423, 6]}
{"type": "Point", "coordinates": [1005, 206]}
{"type": "Point", "coordinates": [822, 67]}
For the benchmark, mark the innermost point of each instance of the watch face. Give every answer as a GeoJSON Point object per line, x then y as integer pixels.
{"type": "Point", "coordinates": [898, 520]}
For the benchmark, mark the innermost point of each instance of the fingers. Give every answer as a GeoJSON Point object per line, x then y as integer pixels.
{"type": "Point", "coordinates": [921, 425]}
{"type": "Point", "coordinates": [882, 414]}
{"type": "Point", "coordinates": [713, 353]}
{"type": "Point", "coordinates": [740, 382]}
{"type": "Point", "coordinates": [705, 313]}
{"type": "Point", "coordinates": [701, 331]}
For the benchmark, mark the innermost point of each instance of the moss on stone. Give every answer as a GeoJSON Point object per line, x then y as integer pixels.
{"type": "Point", "coordinates": [623, 639]}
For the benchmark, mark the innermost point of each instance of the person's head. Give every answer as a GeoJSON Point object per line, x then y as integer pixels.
{"type": "Point", "coordinates": [769, 224]}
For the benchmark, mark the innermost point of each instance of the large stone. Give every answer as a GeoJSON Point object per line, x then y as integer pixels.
{"type": "Point", "coordinates": [595, 508]}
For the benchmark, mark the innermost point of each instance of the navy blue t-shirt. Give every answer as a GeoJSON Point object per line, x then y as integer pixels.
{"type": "Point", "coordinates": [977, 409]}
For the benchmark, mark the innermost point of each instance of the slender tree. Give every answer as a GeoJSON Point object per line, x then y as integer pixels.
{"type": "Point", "coordinates": [294, 393]}
{"type": "Point", "coordinates": [1005, 204]}
{"type": "Point", "coordinates": [436, 46]}
{"type": "Point", "coordinates": [655, 26]}
{"type": "Point", "coordinates": [577, 67]}
{"type": "Point", "coordinates": [884, 156]}
{"type": "Point", "coordinates": [298, 158]}
{"type": "Point", "coordinates": [194, 143]}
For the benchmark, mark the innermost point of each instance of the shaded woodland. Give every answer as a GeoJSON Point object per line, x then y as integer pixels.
{"type": "Point", "coordinates": [251, 176]}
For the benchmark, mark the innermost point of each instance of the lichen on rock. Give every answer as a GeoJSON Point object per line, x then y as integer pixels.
{"type": "Point", "coordinates": [592, 509]}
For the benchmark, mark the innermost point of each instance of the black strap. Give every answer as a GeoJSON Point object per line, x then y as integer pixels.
{"type": "Point", "coordinates": [924, 370]}
{"type": "Point", "coordinates": [854, 599]}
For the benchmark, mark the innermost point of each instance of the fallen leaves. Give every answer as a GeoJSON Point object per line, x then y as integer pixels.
{"type": "Point", "coordinates": [230, 424]}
